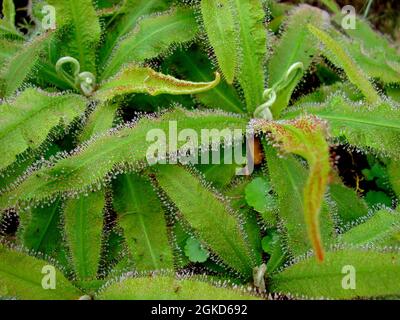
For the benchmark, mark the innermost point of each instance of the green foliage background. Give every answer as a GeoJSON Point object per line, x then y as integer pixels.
{"type": "Point", "coordinates": [76, 105]}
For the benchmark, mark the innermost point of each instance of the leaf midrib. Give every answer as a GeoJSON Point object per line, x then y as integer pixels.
{"type": "Point", "coordinates": [216, 89]}
{"type": "Point", "coordinates": [49, 222]}
{"type": "Point", "coordinates": [110, 68]}
{"type": "Point", "coordinates": [142, 224]}
{"type": "Point", "coordinates": [361, 121]}
{"type": "Point", "coordinates": [132, 21]}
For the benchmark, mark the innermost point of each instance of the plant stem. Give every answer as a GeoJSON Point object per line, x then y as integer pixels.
{"type": "Point", "coordinates": [368, 8]}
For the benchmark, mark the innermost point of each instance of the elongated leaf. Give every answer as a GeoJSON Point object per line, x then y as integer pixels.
{"type": "Point", "coordinates": [135, 79]}
{"type": "Point", "coordinates": [332, 6]}
{"type": "Point", "coordinates": [372, 39]}
{"type": "Point", "coordinates": [323, 93]}
{"type": "Point", "coordinates": [7, 23]}
{"type": "Point", "coordinates": [373, 62]}
{"type": "Point", "coordinates": [210, 218]}
{"type": "Point", "coordinates": [21, 277]}
{"type": "Point", "coordinates": [8, 11]}
{"type": "Point", "coordinates": [124, 149]}
{"type": "Point", "coordinates": [40, 228]}
{"type": "Point", "coordinates": [376, 274]}
{"type": "Point", "coordinates": [296, 45]}
{"type": "Point", "coordinates": [84, 216]}
{"type": "Point", "coordinates": [151, 37]}
{"type": "Point", "coordinates": [342, 59]}
{"type": "Point", "coordinates": [142, 218]}
{"type": "Point", "coordinates": [272, 244]}
{"type": "Point", "coordinates": [349, 206]}
{"type": "Point", "coordinates": [83, 228]}
{"type": "Point", "coordinates": [8, 49]}
{"type": "Point", "coordinates": [288, 178]}
{"type": "Point", "coordinates": [251, 50]}
{"type": "Point", "coordinates": [375, 231]}
{"type": "Point", "coordinates": [237, 200]}
{"type": "Point", "coordinates": [26, 122]}
{"type": "Point", "coordinates": [99, 121]}
{"type": "Point", "coordinates": [17, 68]}
{"type": "Point", "coordinates": [80, 31]}
{"type": "Point", "coordinates": [393, 93]}
{"type": "Point", "coordinates": [372, 51]}
{"type": "Point", "coordinates": [221, 32]}
{"type": "Point", "coordinates": [394, 176]}
{"type": "Point", "coordinates": [306, 137]}
{"type": "Point", "coordinates": [196, 66]}
{"type": "Point", "coordinates": [220, 175]}
{"type": "Point", "coordinates": [170, 288]}
{"type": "Point", "coordinates": [128, 16]}
{"type": "Point", "coordinates": [376, 127]}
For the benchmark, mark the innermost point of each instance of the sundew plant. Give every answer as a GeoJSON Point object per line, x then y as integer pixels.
{"type": "Point", "coordinates": [310, 90]}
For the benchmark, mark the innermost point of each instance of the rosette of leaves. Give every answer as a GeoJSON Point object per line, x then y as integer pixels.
{"type": "Point", "coordinates": [91, 205]}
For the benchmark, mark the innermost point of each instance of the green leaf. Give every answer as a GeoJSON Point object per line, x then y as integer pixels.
{"type": "Point", "coordinates": [371, 40]}
{"type": "Point", "coordinates": [258, 196]}
{"type": "Point", "coordinates": [323, 93]}
{"type": "Point", "coordinates": [221, 32]}
{"type": "Point", "coordinates": [125, 20]}
{"type": "Point", "coordinates": [335, 52]}
{"type": "Point", "coordinates": [121, 150]}
{"type": "Point", "coordinates": [135, 79]}
{"type": "Point", "coordinates": [79, 29]}
{"type": "Point", "coordinates": [83, 218]}
{"type": "Point", "coordinates": [393, 92]}
{"type": "Point", "coordinates": [377, 171]}
{"type": "Point", "coordinates": [288, 178]}
{"type": "Point", "coordinates": [99, 121]}
{"type": "Point", "coordinates": [365, 127]}
{"type": "Point", "coordinates": [170, 288]}
{"type": "Point", "coordinates": [8, 29]}
{"type": "Point", "coordinates": [142, 219]}
{"type": "Point", "coordinates": [20, 65]}
{"type": "Point", "coordinates": [372, 51]}
{"type": "Point", "coordinates": [296, 45]}
{"type": "Point", "coordinates": [377, 275]}
{"type": "Point", "coordinates": [332, 6]}
{"type": "Point", "coordinates": [251, 225]}
{"type": "Point", "coordinates": [374, 198]}
{"type": "Point", "coordinates": [375, 231]}
{"type": "Point", "coordinates": [394, 176]}
{"type": "Point", "coordinates": [373, 61]}
{"type": "Point", "coordinates": [151, 37]}
{"type": "Point", "coordinates": [220, 175]}
{"type": "Point", "coordinates": [21, 277]}
{"type": "Point", "coordinates": [195, 252]}
{"type": "Point", "coordinates": [8, 12]}
{"type": "Point", "coordinates": [305, 137]}
{"type": "Point", "coordinates": [180, 235]}
{"type": "Point", "coordinates": [251, 49]}
{"type": "Point", "coordinates": [46, 74]}
{"type": "Point", "coordinates": [8, 49]}
{"type": "Point", "coordinates": [27, 121]}
{"type": "Point", "coordinates": [349, 206]}
{"type": "Point", "coordinates": [272, 245]}
{"type": "Point", "coordinates": [195, 65]}
{"type": "Point", "coordinates": [210, 218]}
{"type": "Point", "coordinates": [40, 228]}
